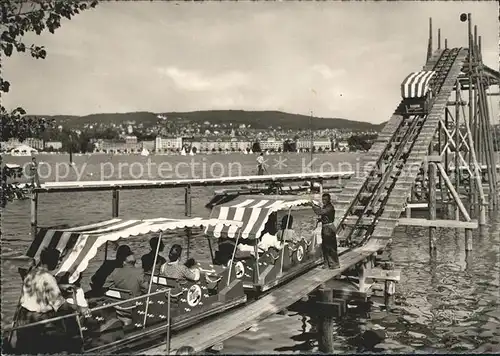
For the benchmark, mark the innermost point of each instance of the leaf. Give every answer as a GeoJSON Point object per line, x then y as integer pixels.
{"type": "Point", "coordinates": [7, 49]}
{"type": "Point", "coordinates": [4, 86]}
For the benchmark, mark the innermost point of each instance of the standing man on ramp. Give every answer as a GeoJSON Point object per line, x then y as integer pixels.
{"type": "Point", "coordinates": [260, 164]}
{"type": "Point", "coordinates": [328, 234]}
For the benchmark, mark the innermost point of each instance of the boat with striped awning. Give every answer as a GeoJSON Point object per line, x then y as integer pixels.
{"type": "Point", "coordinates": [183, 302]}
{"type": "Point", "coordinates": [262, 269]}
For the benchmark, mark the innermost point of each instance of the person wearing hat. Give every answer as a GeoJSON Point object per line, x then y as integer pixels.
{"type": "Point", "coordinates": [99, 278]}
{"type": "Point", "coordinates": [149, 258]}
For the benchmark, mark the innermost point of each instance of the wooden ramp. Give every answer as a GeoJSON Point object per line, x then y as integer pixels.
{"type": "Point", "coordinates": [225, 326]}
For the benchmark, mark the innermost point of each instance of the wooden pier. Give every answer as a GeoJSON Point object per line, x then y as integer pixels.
{"type": "Point", "coordinates": [212, 332]}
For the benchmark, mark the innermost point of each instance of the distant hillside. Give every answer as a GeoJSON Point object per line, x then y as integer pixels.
{"type": "Point", "coordinates": [257, 119]}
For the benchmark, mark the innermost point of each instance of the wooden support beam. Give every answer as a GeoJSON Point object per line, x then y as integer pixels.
{"type": "Point", "coordinates": [432, 205]}
{"type": "Point", "coordinates": [472, 224]}
{"type": "Point", "coordinates": [453, 192]}
{"type": "Point", "coordinates": [453, 103]}
{"type": "Point", "coordinates": [336, 308]}
{"type": "Point", "coordinates": [343, 289]}
{"type": "Point", "coordinates": [434, 158]}
{"type": "Point", "coordinates": [380, 274]}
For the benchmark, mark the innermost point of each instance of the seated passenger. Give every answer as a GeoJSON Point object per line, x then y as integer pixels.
{"type": "Point", "coordinates": [74, 293]}
{"type": "Point", "coordinates": [128, 276]}
{"type": "Point", "coordinates": [41, 299]}
{"type": "Point", "coordinates": [267, 241]}
{"type": "Point", "coordinates": [101, 275]}
{"type": "Point", "coordinates": [175, 270]}
{"type": "Point", "coordinates": [287, 233]}
{"type": "Point", "coordinates": [148, 259]}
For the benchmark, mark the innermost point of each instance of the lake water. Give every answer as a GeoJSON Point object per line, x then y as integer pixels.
{"type": "Point", "coordinates": [446, 302]}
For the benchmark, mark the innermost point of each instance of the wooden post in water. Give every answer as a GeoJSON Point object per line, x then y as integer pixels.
{"type": "Point", "coordinates": [457, 145]}
{"type": "Point", "coordinates": [187, 212]}
{"type": "Point", "coordinates": [116, 203]}
{"type": "Point", "coordinates": [115, 209]}
{"type": "Point", "coordinates": [432, 204]}
{"type": "Point", "coordinates": [34, 214]}
{"type": "Point", "coordinates": [326, 323]}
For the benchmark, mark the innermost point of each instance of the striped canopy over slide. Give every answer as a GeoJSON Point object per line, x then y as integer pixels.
{"type": "Point", "coordinates": [80, 244]}
{"type": "Point", "coordinates": [416, 85]}
{"type": "Point", "coordinates": [253, 211]}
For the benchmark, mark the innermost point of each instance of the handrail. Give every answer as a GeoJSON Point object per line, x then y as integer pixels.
{"type": "Point", "coordinates": [67, 316]}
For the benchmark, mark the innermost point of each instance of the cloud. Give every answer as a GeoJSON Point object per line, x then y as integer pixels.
{"type": "Point", "coordinates": [196, 81]}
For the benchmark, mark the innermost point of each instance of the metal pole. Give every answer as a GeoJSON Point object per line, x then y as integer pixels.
{"type": "Point", "coordinates": [168, 324]}
{"type": "Point", "coordinates": [151, 279]}
{"type": "Point", "coordinates": [284, 240]}
{"type": "Point", "coordinates": [429, 45]}
{"type": "Point", "coordinates": [232, 257]}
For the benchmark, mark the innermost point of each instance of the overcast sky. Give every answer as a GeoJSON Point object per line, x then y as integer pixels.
{"type": "Point", "coordinates": [337, 59]}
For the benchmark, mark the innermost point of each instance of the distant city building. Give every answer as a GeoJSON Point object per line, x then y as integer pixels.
{"type": "Point", "coordinates": [131, 140]}
{"type": "Point", "coordinates": [34, 143]}
{"type": "Point", "coordinates": [218, 143]}
{"type": "Point", "coordinates": [271, 144]}
{"type": "Point", "coordinates": [322, 144]}
{"type": "Point", "coordinates": [130, 129]}
{"type": "Point", "coordinates": [112, 146]}
{"type": "Point", "coordinates": [164, 144]}
{"type": "Point", "coordinates": [55, 145]}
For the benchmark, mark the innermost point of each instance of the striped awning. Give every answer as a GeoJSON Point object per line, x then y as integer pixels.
{"type": "Point", "coordinates": [416, 85]}
{"type": "Point", "coordinates": [253, 211]}
{"type": "Point", "coordinates": [80, 244]}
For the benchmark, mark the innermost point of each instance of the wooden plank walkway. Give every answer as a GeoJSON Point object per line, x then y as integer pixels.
{"type": "Point", "coordinates": [75, 186]}
{"type": "Point", "coordinates": [212, 332]}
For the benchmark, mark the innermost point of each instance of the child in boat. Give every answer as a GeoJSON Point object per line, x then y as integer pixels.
{"type": "Point", "coordinates": [175, 270]}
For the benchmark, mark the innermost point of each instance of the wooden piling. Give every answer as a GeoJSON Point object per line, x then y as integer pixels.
{"type": "Point", "coordinates": [326, 323]}
{"type": "Point", "coordinates": [116, 203]}
{"type": "Point", "coordinates": [432, 204]}
{"type": "Point", "coordinates": [468, 240]}
{"type": "Point", "coordinates": [187, 212]}
{"type": "Point", "coordinates": [187, 201]}
{"type": "Point", "coordinates": [34, 214]}
{"type": "Point", "coordinates": [457, 141]}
